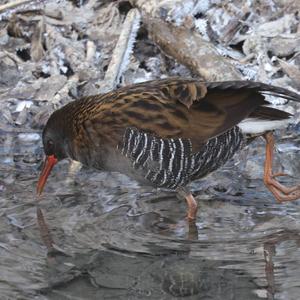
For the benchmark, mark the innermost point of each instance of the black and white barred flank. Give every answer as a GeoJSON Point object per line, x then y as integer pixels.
{"type": "Point", "coordinates": [170, 163]}
{"type": "Point", "coordinates": [216, 152]}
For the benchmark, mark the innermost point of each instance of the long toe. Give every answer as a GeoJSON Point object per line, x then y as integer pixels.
{"type": "Point", "coordinates": [285, 197]}
{"type": "Point", "coordinates": [280, 191]}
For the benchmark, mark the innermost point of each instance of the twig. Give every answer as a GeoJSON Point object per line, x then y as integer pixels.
{"type": "Point", "coordinates": [37, 50]}
{"type": "Point", "coordinates": [123, 49]}
{"type": "Point", "coordinates": [64, 91]}
{"type": "Point", "coordinates": [12, 56]}
{"type": "Point", "coordinates": [13, 4]}
{"type": "Point", "coordinates": [90, 51]}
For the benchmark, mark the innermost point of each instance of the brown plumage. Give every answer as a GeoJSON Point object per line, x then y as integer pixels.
{"type": "Point", "coordinates": [165, 133]}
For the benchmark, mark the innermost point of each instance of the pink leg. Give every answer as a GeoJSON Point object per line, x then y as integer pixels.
{"type": "Point", "coordinates": [191, 202]}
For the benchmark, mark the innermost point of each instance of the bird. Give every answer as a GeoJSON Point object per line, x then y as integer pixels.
{"type": "Point", "coordinates": [167, 133]}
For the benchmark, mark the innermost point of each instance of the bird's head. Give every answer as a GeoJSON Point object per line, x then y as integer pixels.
{"type": "Point", "coordinates": [55, 146]}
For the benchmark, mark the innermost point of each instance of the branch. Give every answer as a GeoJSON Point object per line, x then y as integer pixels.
{"type": "Point", "coordinates": [123, 49]}
{"type": "Point", "coordinates": [188, 48]}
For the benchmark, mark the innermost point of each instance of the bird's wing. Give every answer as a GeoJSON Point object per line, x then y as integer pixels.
{"type": "Point", "coordinates": [179, 108]}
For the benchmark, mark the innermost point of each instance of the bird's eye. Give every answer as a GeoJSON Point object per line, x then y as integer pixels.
{"type": "Point", "coordinates": [50, 146]}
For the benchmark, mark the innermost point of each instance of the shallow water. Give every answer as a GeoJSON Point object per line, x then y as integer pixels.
{"type": "Point", "coordinates": [117, 240]}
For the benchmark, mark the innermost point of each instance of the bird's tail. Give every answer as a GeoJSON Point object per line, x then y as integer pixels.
{"type": "Point", "coordinates": [263, 88]}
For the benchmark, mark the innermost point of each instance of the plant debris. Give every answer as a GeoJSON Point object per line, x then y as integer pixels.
{"type": "Point", "coordinates": [53, 52]}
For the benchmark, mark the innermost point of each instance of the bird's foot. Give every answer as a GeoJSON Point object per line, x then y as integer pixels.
{"type": "Point", "coordinates": [280, 174]}
{"type": "Point", "coordinates": [280, 192]}
{"type": "Point", "coordinates": [282, 197]}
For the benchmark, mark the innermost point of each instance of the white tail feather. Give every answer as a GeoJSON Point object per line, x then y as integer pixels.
{"type": "Point", "coordinates": [255, 126]}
